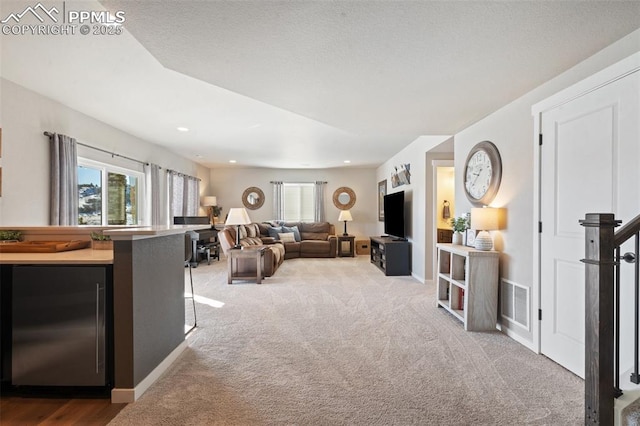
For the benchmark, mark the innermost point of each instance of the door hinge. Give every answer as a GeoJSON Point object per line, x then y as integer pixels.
{"type": "Point", "coordinates": [540, 139]}
{"type": "Point", "coordinates": [540, 227]}
{"type": "Point", "coordinates": [539, 314]}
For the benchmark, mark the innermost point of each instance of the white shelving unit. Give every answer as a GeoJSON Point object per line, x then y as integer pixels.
{"type": "Point", "coordinates": [467, 285]}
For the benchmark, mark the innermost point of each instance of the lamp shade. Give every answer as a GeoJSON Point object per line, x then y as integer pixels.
{"type": "Point", "coordinates": [345, 215]}
{"type": "Point", "coordinates": [209, 201]}
{"type": "Point", "coordinates": [238, 216]}
{"type": "Point", "coordinates": [485, 218]}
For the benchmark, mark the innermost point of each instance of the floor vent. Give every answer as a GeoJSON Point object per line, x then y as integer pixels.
{"type": "Point", "coordinates": [514, 303]}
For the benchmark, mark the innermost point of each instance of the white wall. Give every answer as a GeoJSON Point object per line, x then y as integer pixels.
{"type": "Point", "coordinates": [511, 130]}
{"type": "Point", "coordinates": [25, 151]}
{"type": "Point", "coordinates": [228, 184]}
{"type": "Point", "coordinates": [416, 196]}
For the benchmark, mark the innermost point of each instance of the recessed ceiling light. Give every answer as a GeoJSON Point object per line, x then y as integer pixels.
{"type": "Point", "coordinates": [232, 161]}
{"type": "Point", "coordinates": [347, 161]}
{"type": "Point", "coordinates": [182, 129]}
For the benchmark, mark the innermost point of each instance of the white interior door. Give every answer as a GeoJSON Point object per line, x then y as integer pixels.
{"type": "Point", "coordinates": [589, 164]}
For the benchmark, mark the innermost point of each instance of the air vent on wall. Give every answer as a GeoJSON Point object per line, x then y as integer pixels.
{"type": "Point", "coordinates": [514, 303]}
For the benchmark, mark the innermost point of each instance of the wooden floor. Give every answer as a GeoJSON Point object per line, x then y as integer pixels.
{"type": "Point", "coordinates": [41, 411]}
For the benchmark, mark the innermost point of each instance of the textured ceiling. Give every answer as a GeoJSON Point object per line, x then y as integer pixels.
{"type": "Point", "coordinates": [313, 83]}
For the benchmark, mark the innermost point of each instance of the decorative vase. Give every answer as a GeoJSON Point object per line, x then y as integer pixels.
{"type": "Point", "coordinates": [483, 241]}
{"type": "Point", "coordinates": [457, 238]}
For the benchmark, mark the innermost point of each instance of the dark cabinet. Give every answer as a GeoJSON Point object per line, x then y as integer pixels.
{"type": "Point", "coordinates": [445, 235]}
{"type": "Point", "coordinates": [391, 256]}
{"type": "Point", "coordinates": [60, 325]}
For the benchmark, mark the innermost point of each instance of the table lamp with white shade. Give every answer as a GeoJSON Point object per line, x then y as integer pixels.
{"type": "Point", "coordinates": [238, 216]}
{"type": "Point", "coordinates": [345, 216]}
{"type": "Point", "coordinates": [485, 219]}
{"type": "Point", "coordinates": [210, 201]}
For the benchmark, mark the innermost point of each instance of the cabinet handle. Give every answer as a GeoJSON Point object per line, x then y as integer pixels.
{"type": "Point", "coordinates": [97, 328]}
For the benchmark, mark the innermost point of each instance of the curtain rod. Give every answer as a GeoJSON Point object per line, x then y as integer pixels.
{"type": "Point", "coordinates": [113, 154]}
{"type": "Point", "coordinates": [316, 181]}
{"type": "Point", "coordinates": [175, 172]}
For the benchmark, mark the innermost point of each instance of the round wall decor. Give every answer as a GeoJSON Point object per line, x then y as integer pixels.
{"type": "Point", "coordinates": [482, 173]}
{"type": "Point", "coordinates": [344, 198]}
{"type": "Point", "coordinates": [253, 198]}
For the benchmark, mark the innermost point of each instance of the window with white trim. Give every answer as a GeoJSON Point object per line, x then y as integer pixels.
{"type": "Point", "coordinates": [299, 202]}
{"type": "Point", "coordinates": [109, 195]}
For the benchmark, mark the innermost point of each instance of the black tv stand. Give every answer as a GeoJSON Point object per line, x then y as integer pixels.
{"type": "Point", "coordinates": [391, 255]}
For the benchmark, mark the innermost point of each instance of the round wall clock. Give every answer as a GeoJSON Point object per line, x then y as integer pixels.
{"type": "Point", "coordinates": [482, 173]}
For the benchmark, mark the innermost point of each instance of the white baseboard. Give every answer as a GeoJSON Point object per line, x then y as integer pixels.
{"type": "Point", "coordinates": [417, 277]}
{"type": "Point", "coordinates": [518, 338]}
{"type": "Point", "coordinates": [123, 395]}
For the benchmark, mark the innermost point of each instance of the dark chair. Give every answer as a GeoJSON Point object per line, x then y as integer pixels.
{"type": "Point", "coordinates": [188, 254]}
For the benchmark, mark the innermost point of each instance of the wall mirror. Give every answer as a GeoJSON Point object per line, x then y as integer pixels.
{"type": "Point", "coordinates": [253, 198]}
{"type": "Point", "coordinates": [344, 198]}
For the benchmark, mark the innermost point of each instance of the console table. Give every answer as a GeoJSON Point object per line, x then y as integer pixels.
{"type": "Point", "coordinates": [468, 285]}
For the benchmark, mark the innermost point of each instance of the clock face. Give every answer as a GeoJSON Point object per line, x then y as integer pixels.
{"type": "Point", "coordinates": [478, 176]}
{"type": "Point", "coordinates": [482, 174]}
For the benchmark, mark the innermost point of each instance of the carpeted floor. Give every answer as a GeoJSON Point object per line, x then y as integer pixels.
{"type": "Point", "coordinates": [335, 342]}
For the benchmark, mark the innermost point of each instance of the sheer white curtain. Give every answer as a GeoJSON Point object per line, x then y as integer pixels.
{"type": "Point", "coordinates": [318, 215]}
{"type": "Point", "coordinates": [64, 180]}
{"type": "Point", "coordinates": [278, 200]}
{"type": "Point", "coordinates": [184, 193]}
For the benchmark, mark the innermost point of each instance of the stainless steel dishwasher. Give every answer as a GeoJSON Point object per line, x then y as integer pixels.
{"type": "Point", "coordinates": [58, 326]}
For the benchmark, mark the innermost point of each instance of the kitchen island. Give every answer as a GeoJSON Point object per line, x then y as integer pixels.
{"type": "Point", "coordinates": [144, 299]}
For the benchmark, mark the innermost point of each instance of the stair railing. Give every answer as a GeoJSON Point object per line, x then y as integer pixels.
{"type": "Point", "coordinates": [602, 313]}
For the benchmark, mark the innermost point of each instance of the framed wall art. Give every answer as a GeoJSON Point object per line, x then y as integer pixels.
{"type": "Point", "coordinates": [382, 191]}
{"type": "Point", "coordinates": [470, 237]}
{"type": "Point", "coordinates": [401, 175]}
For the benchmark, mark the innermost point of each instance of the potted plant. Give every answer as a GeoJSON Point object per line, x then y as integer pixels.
{"type": "Point", "coordinates": [216, 213]}
{"type": "Point", "coordinates": [459, 225]}
{"type": "Point", "coordinates": [99, 241]}
{"type": "Point", "coordinates": [10, 236]}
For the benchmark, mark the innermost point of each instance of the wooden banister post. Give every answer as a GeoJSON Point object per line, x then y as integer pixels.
{"type": "Point", "coordinates": [599, 320]}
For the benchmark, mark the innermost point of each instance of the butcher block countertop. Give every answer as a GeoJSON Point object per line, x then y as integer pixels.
{"type": "Point", "coordinates": [86, 256]}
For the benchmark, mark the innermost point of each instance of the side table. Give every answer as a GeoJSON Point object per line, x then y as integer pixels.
{"type": "Point", "coordinates": [346, 245]}
{"type": "Point", "coordinates": [254, 253]}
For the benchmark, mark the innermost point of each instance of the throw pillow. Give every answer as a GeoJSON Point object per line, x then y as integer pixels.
{"type": "Point", "coordinates": [252, 230]}
{"type": "Point", "coordinates": [287, 237]}
{"type": "Point", "coordinates": [243, 232]}
{"type": "Point", "coordinates": [273, 232]}
{"type": "Point", "coordinates": [294, 230]}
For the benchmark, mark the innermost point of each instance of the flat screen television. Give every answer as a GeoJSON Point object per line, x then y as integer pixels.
{"type": "Point", "coordinates": [394, 214]}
